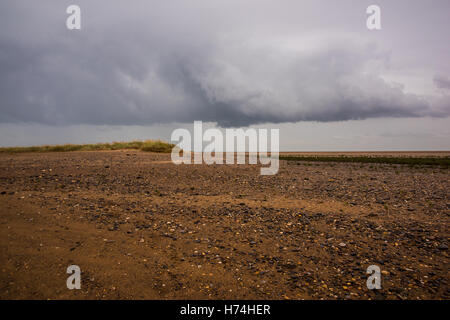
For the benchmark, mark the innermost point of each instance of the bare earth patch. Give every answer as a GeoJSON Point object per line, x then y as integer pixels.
{"type": "Point", "coordinates": [141, 227]}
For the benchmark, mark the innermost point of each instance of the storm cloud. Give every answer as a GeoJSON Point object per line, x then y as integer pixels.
{"type": "Point", "coordinates": [442, 82]}
{"type": "Point", "coordinates": [234, 63]}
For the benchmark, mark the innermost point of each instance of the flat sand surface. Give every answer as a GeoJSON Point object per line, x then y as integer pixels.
{"type": "Point", "coordinates": [371, 153]}
{"type": "Point", "coordinates": [140, 227]}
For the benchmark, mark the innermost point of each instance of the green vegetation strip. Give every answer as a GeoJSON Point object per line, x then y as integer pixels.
{"type": "Point", "coordinates": [148, 145]}
{"type": "Point", "coordinates": [438, 161]}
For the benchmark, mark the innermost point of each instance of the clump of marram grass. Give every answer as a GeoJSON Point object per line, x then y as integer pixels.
{"type": "Point", "coordinates": [412, 161]}
{"type": "Point", "coordinates": [157, 146]}
{"type": "Point", "coordinates": [147, 145]}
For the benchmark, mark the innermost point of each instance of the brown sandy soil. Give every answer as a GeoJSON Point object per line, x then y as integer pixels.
{"type": "Point", "coordinates": [141, 227]}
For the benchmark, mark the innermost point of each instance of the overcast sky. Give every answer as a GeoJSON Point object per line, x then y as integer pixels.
{"type": "Point", "coordinates": [139, 69]}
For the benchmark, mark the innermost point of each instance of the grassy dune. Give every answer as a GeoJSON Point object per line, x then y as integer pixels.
{"type": "Point", "coordinates": [148, 145]}
{"type": "Point", "coordinates": [436, 161]}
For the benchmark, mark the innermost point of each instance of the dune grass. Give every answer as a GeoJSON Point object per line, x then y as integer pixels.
{"type": "Point", "coordinates": [436, 161]}
{"type": "Point", "coordinates": [147, 145]}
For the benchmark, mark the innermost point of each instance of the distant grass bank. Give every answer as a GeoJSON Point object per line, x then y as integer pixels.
{"type": "Point", "coordinates": [148, 145]}
{"type": "Point", "coordinates": [438, 161]}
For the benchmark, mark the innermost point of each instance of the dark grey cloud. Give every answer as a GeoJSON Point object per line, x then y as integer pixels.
{"type": "Point", "coordinates": [234, 63]}
{"type": "Point", "coordinates": [442, 82]}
